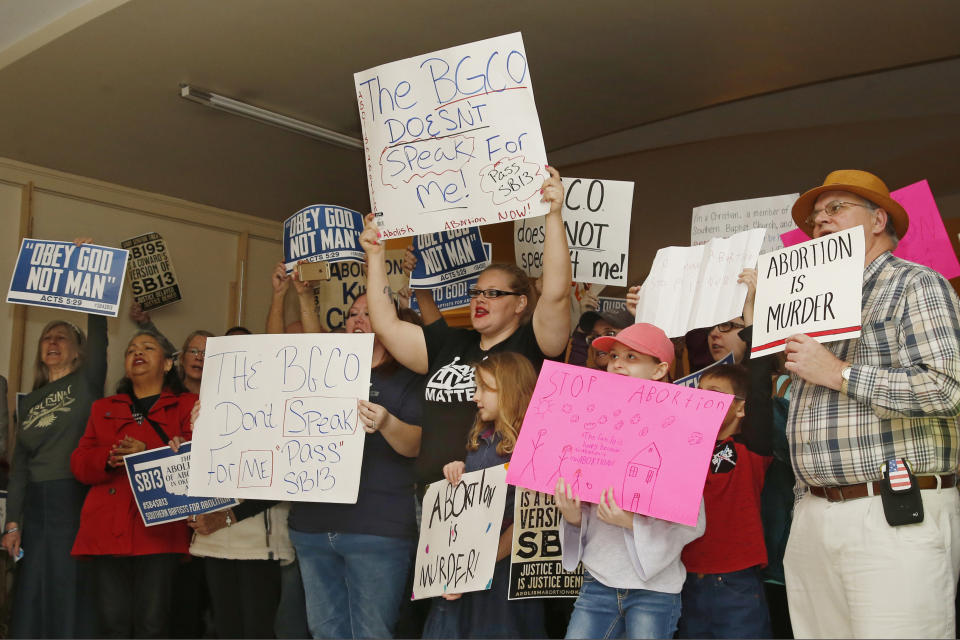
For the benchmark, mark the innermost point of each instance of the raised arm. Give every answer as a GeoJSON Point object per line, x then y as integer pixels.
{"type": "Point", "coordinates": [428, 306]}
{"type": "Point", "coordinates": [551, 318]}
{"type": "Point", "coordinates": [404, 341]}
{"type": "Point", "coordinates": [280, 282]}
{"type": "Point", "coordinates": [308, 309]}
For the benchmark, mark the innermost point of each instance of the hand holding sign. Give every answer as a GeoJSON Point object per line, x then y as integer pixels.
{"type": "Point", "coordinates": [813, 362]}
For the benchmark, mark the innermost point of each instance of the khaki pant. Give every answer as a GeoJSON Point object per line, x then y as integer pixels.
{"type": "Point", "coordinates": [851, 575]}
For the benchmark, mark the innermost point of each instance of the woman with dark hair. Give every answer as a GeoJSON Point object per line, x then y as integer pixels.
{"type": "Point", "coordinates": [44, 499]}
{"type": "Point", "coordinates": [134, 564]}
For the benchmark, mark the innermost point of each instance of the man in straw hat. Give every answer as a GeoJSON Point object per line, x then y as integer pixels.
{"type": "Point", "coordinates": [869, 557]}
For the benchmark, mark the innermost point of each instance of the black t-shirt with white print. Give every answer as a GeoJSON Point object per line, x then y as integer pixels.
{"type": "Point", "coordinates": [448, 407]}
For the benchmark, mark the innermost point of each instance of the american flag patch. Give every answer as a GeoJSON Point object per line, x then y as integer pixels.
{"type": "Point", "coordinates": [899, 475]}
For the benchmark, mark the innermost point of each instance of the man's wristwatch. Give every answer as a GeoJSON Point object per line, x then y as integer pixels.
{"type": "Point", "coordinates": [845, 375]}
{"type": "Point", "coordinates": [229, 520]}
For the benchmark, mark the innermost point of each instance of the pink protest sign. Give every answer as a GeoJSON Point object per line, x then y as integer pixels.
{"type": "Point", "coordinates": [926, 242]}
{"type": "Point", "coordinates": [650, 441]}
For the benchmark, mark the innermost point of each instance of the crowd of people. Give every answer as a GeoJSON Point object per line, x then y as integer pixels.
{"type": "Point", "coordinates": [799, 531]}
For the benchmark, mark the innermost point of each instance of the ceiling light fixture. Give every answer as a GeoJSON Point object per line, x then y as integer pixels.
{"type": "Point", "coordinates": [265, 116]}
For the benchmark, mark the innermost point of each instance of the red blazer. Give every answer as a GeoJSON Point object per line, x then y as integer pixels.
{"type": "Point", "coordinates": [110, 523]}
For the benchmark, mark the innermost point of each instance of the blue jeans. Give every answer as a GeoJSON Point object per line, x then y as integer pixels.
{"type": "Point", "coordinates": [604, 612]}
{"type": "Point", "coordinates": [353, 583]}
{"type": "Point", "coordinates": [725, 605]}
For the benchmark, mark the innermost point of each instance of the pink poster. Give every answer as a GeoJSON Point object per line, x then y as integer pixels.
{"type": "Point", "coordinates": [926, 242]}
{"type": "Point", "coordinates": [650, 441]}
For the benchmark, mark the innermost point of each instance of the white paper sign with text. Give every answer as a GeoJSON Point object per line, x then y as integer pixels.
{"type": "Point", "coordinates": [596, 217]}
{"type": "Point", "coordinates": [278, 417]}
{"type": "Point", "coordinates": [814, 287]}
{"type": "Point", "coordinates": [691, 287]}
{"type": "Point", "coordinates": [452, 138]}
{"type": "Point", "coordinates": [724, 219]}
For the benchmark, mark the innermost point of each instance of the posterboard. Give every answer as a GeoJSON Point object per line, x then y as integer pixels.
{"type": "Point", "coordinates": [278, 417]}
{"type": "Point", "coordinates": [348, 281]}
{"type": "Point", "coordinates": [596, 216]}
{"type": "Point", "coordinates": [536, 570]}
{"type": "Point", "coordinates": [814, 287]}
{"type": "Point", "coordinates": [447, 256]}
{"type": "Point", "coordinates": [926, 241]}
{"type": "Point", "coordinates": [693, 380]}
{"type": "Point", "coordinates": [62, 275]}
{"type": "Point", "coordinates": [456, 294]}
{"type": "Point", "coordinates": [152, 278]}
{"type": "Point", "coordinates": [452, 139]}
{"type": "Point", "coordinates": [724, 219]}
{"type": "Point", "coordinates": [459, 534]}
{"type": "Point", "coordinates": [650, 441]}
{"type": "Point", "coordinates": [322, 233]}
{"type": "Point", "coordinates": [611, 305]}
{"type": "Point", "coordinates": [693, 287]}
{"type": "Point", "coordinates": [158, 478]}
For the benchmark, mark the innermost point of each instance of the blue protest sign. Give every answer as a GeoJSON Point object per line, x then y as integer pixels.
{"type": "Point", "coordinates": [447, 256]}
{"type": "Point", "coordinates": [158, 478]}
{"type": "Point", "coordinates": [453, 295]}
{"type": "Point", "coordinates": [62, 275]}
{"type": "Point", "coordinates": [693, 380]}
{"type": "Point", "coordinates": [322, 233]}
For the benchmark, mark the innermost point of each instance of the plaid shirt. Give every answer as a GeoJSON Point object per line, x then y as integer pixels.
{"type": "Point", "coordinates": [903, 396]}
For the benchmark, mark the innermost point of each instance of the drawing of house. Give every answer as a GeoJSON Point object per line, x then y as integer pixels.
{"type": "Point", "coordinates": [640, 478]}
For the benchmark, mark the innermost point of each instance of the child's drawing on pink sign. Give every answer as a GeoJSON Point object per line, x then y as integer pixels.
{"type": "Point", "coordinates": [650, 441]}
{"type": "Point", "coordinates": [926, 242]}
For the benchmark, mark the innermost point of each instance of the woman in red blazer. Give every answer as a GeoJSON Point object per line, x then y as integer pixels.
{"type": "Point", "coordinates": [134, 564]}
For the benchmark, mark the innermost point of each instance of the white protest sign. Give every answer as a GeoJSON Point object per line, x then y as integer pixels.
{"type": "Point", "coordinates": [348, 281]}
{"type": "Point", "coordinates": [152, 278]}
{"type": "Point", "coordinates": [452, 138]}
{"type": "Point", "coordinates": [596, 216]}
{"type": "Point", "coordinates": [459, 533]}
{"type": "Point", "coordinates": [278, 417]}
{"type": "Point", "coordinates": [814, 287]}
{"type": "Point", "coordinates": [322, 233]}
{"type": "Point", "coordinates": [691, 287]}
{"type": "Point", "coordinates": [727, 218]}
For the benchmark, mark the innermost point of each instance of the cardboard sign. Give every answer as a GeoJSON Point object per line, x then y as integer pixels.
{"type": "Point", "coordinates": [456, 294]}
{"type": "Point", "coordinates": [459, 534]}
{"type": "Point", "coordinates": [693, 380]}
{"type": "Point", "coordinates": [152, 278]}
{"type": "Point", "coordinates": [596, 215]}
{"type": "Point", "coordinates": [278, 417]}
{"type": "Point", "coordinates": [447, 256]}
{"type": "Point", "coordinates": [650, 441]}
{"type": "Point", "coordinates": [814, 288]}
{"type": "Point", "coordinates": [611, 305]}
{"type": "Point", "coordinates": [62, 275]}
{"type": "Point", "coordinates": [692, 287]}
{"type": "Point", "coordinates": [536, 570]}
{"type": "Point", "coordinates": [727, 218]}
{"type": "Point", "coordinates": [926, 241]}
{"type": "Point", "coordinates": [158, 478]}
{"type": "Point", "coordinates": [322, 233]}
{"type": "Point", "coordinates": [348, 281]}
{"type": "Point", "coordinates": [452, 139]}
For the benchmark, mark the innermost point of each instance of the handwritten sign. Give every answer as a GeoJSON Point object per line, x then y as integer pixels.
{"type": "Point", "coordinates": [705, 277]}
{"type": "Point", "coordinates": [152, 278]}
{"type": "Point", "coordinates": [596, 217]}
{"type": "Point", "coordinates": [926, 241]}
{"type": "Point", "coordinates": [693, 380]}
{"type": "Point", "coordinates": [650, 441]}
{"type": "Point", "coordinates": [158, 478]}
{"type": "Point", "coordinates": [535, 560]}
{"type": "Point", "coordinates": [814, 288]}
{"type": "Point", "coordinates": [278, 417]}
{"type": "Point", "coordinates": [348, 281]}
{"type": "Point", "coordinates": [322, 233]}
{"type": "Point", "coordinates": [459, 534]}
{"type": "Point", "coordinates": [452, 138]}
{"type": "Point", "coordinates": [62, 275]}
{"type": "Point", "coordinates": [447, 256]}
{"type": "Point", "coordinates": [727, 218]}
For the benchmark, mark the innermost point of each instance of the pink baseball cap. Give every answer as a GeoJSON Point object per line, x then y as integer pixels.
{"type": "Point", "coordinates": [642, 338]}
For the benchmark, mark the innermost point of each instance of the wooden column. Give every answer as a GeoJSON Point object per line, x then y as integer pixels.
{"type": "Point", "coordinates": [19, 321]}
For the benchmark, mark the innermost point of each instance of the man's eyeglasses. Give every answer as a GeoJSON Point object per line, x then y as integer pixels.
{"type": "Point", "coordinates": [491, 293]}
{"type": "Point", "coordinates": [726, 327]}
{"type": "Point", "coordinates": [197, 353]}
{"type": "Point", "coordinates": [833, 209]}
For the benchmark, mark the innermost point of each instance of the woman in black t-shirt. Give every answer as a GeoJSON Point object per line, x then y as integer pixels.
{"type": "Point", "coordinates": [500, 313]}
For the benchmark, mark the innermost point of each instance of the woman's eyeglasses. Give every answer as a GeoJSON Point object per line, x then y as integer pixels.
{"type": "Point", "coordinates": [491, 293]}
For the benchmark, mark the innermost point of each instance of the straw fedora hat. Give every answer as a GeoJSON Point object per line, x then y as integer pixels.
{"type": "Point", "coordinates": [864, 184]}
